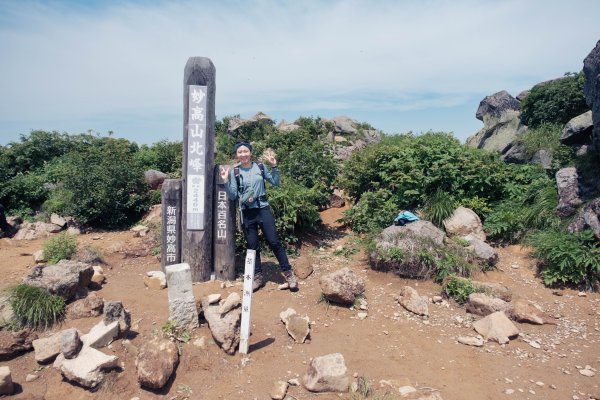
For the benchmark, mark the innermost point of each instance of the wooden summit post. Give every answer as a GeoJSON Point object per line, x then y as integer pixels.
{"type": "Point", "coordinates": [224, 230]}
{"type": "Point", "coordinates": [197, 170]}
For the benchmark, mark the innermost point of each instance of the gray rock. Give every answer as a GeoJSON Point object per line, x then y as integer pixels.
{"type": "Point", "coordinates": [63, 279]}
{"type": "Point", "coordinates": [232, 301]}
{"type": "Point", "coordinates": [342, 286]}
{"type": "Point", "coordinates": [336, 199]}
{"type": "Point", "coordinates": [156, 362]}
{"type": "Point", "coordinates": [482, 304]}
{"type": "Point", "coordinates": [38, 257]}
{"type": "Point", "coordinates": [154, 178]}
{"type": "Point", "coordinates": [279, 390]}
{"type": "Point", "coordinates": [91, 306]}
{"type": "Point", "coordinates": [471, 341]}
{"type": "Point", "coordinates": [482, 250]}
{"type": "Point", "coordinates": [297, 327]}
{"type": "Point", "coordinates": [591, 90]}
{"type": "Point", "coordinates": [70, 343]}
{"type": "Point", "coordinates": [343, 125]}
{"type": "Point", "coordinates": [156, 280]}
{"type": "Point", "coordinates": [544, 158]}
{"type": "Point", "coordinates": [47, 348]}
{"type": "Point", "coordinates": [494, 289]}
{"type": "Point", "coordinates": [36, 230]}
{"type": "Point", "coordinates": [182, 303]}
{"type": "Point", "coordinates": [410, 299]}
{"type": "Point", "coordinates": [516, 154]}
{"type": "Point", "coordinates": [87, 368]}
{"type": "Point", "coordinates": [496, 104]}
{"type": "Point", "coordinates": [420, 229]}
{"type": "Point", "coordinates": [225, 328]}
{"type": "Point", "coordinates": [523, 311]}
{"type": "Point", "coordinates": [13, 344]}
{"type": "Point", "coordinates": [285, 126]}
{"type": "Point", "coordinates": [237, 123]}
{"type": "Point", "coordinates": [6, 383]}
{"type": "Point", "coordinates": [464, 221]}
{"type": "Point", "coordinates": [567, 182]}
{"type": "Point", "coordinates": [327, 374]}
{"type": "Point", "coordinates": [58, 220]}
{"type": "Point", "coordinates": [6, 312]}
{"type": "Point", "coordinates": [587, 218]}
{"type": "Point", "coordinates": [496, 327]}
{"type": "Point", "coordinates": [101, 334]}
{"type": "Point", "coordinates": [114, 311]}
{"type": "Point", "coordinates": [578, 130]}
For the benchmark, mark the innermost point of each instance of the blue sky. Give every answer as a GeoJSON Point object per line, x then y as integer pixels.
{"type": "Point", "coordinates": [74, 66]}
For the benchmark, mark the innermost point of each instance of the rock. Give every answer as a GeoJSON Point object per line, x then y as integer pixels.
{"type": "Point", "coordinates": [232, 301]}
{"type": "Point", "coordinates": [6, 383]}
{"type": "Point", "coordinates": [62, 279]}
{"type": "Point", "coordinates": [482, 304]}
{"type": "Point", "coordinates": [38, 257]}
{"type": "Point", "coordinates": [58, 220]}
{"type": "Point", "coordinates": [70, 343]}
{"type": "Point", "coordinates": [587, 372]}
{"type": "Point", "coordinates": [101, 334]}
{"type": "Point", "coordinates": [12, 344]}
{"type": "Point", "coordinates": [153, 217]}
{"type": "Point", "coordinates": [73, 230]}
{"type": "Point", "coordinates": [516, 154]}
{"type": "Point", "coordinates": [213, 298]}
{"type": "Point", "coordinates": [114, 311]}
{"type": "Point", "coordinates": [342, 286]}
{"type": "Point", "coordinates": [493, 289]}
{"type": "Point", "coordinates": [496, 327]}
{"type": "Point", "coordinates": [303, 267]}
{"type": "Point", "coordinates": [200, 342]}
{"type": "Point", "coordinates": [567, 182]}
{"type": "Point", "coordinates": [98, 278]}
{"type": "Point", "coordinates": [235, 123]}
{"type": "Point", "coordinates": [140, 230]}
{"type": "Point", "coordinates": [483, 251]}
{"type": "Point", "coordinates": [543, 157]}
{"type": "Point", "coordinates": [31, 377]}
{"type": "Point", "coordinates": [336, 199]}
{"type": "Point", "coordinates": [591, 90]}
{"type": "Point", "coordinates": [36, 230]}
{"type": "Point", "coordinates": [46, 349]}
{"type": "Point", "coordinates": [327, 374]}
{"type": "Point", "coordinates": [587, 218]}
{"type": "Point", "coordinates": [297, 327]}
{"type": "Point", "coordinates": [578, 130]}
{"type": "Point", "coordinates": [87, 368]}
{"type": "Point", "coordinates": [500, 114]}
{"type": "Point", "coordinates": [6, 312]}
{"type": "Point", "coordinates": [91, 306]}
{"type": "Point", "coordinates": [522, 311]}
{"type": "Point", "coordinates": [279, 390]}
{"type": "Point", "coordinates": [464, 222]}
{"type": "Point", "coordinates": [285, 126]}
{"type": "Point", "coordinates": [156, 280]}
{"type": "Point", "coordinates": [225, 328]}
{"type": "Point", "coordinates": [156, 362]}
{"type": "Point", "coordinates": [410, 299]}
{"type": "Point", "coordinates": [421, 229]}
{"type": "Point", "coordinates": [471, 341]}
{"type": "Point", "coordinates": [154, 178]}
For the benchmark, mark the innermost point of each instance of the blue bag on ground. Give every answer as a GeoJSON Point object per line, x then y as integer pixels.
{"type": "Point", "coordinates": [405, 217]}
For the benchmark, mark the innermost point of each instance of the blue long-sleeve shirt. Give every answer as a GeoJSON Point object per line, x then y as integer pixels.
{"type": "Point", "coordinates": [252, 178]}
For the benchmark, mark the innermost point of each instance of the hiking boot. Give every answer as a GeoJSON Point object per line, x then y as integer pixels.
{"type": "Point", "coordinates": [291, 279]}
{"type": "Point", "coordinates": [258, 282]}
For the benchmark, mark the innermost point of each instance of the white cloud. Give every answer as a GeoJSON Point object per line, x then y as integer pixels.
{"type": "Point", "coordinates": [62, 61]}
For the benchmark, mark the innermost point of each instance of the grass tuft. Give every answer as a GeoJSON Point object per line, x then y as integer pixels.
{"type": "Point", "coordinates": [34, 307]}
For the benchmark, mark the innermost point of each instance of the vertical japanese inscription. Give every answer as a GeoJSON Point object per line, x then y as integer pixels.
{"type": "Point", "coordinates": [171, 238]}
{"type": "Point", "coordinates": [196, 157]}
{"type": "Point", "coordinates": [222, 218]}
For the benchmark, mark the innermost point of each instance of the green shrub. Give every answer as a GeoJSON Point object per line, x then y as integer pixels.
{"type": "Point", "coordinates": [567, 258]}
{"type": "Point", "coordinates": [439, 207]}
{"type": "Point", "coordinates": [546, 136]}
{"type": "Point", "coordinates": [34, 307]}
{"type": "Point", "coordinates": [60, 247]}
{"type": "Point", "coordinates": [458, 288]}
{"type": "Point", "coordinates": [163, 156]}
{"type": "Point", "coordinates": [374, 211]}
{"type": "Point", "coordinates": [555, 102]}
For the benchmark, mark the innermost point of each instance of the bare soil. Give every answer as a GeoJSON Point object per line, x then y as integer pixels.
{"type": "Point", "coordinates": [391, 344]}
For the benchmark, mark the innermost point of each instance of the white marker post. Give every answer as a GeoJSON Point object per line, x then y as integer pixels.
{"type": "Point", "coordinates": [247, 300]}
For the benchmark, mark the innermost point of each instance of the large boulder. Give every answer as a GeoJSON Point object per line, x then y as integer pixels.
{"type": "Point", "coordinates": [496, 327]}
{"type": "Point", "coordinates": [483, 251]}
{"type": "Point", "coordinates": [587, 218]}
{"type": "Point", "coordinates": [421, 229]}
{"type": "Point", "coordinates": [236, 122]}
{"type": "Point", "coordinates": [327, 374]}
{"type": "Point", "coordinates": [343, 125]}
{"type": "Point", "coordinates": [591, 90]}
{"type": "Point", "coordinates": [524, 311]}
{"type": "Point", "coordinates": [342, 286]}
{"type": "Point", "coordinates": [578, 130]}
{"type": "Point", "coordinates": [87, 369]}
{"type": "Point", "coordinates": [63, 279]}
{"type": "Point", "coordinates": [464, 222]}
{"type": "Point", "coordinates": [36, 230]}
{"type": "Point", "coordinates": [154, 178]}
{"type": "Point", "coordinates": [482, 304]}
{"type": "Point", "coordinates": [517, 154]}
{"type": "Point", "coordinates": [500, 114]}
{"type": "Point", "coordinates": [285, 126]}
{"type": "Point", "coordinates": [156, 362]}
{"type": "Point", "coordinates": [567, 182]}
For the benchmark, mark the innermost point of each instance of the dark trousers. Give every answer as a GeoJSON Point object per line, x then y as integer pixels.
{"type": "Point", "coordinates": [3, 224]}
{"type": "Point", "coordinates": [263, 218]}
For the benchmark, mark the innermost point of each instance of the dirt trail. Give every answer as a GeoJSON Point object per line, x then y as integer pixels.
{"type": "Point", "coordinates": [390, 344]}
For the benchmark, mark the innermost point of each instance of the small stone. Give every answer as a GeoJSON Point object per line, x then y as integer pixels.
{"type": "Point", "coordinates": [31, 377]}
{"type": "Point", "coordinates": [214, 298]}
{"type": "Point", "coordinates": [437, 299]}
{"type": "Point", "coordinates": [581, 294]}
{"type": "Point", "coordinates": [534, 344]}
{"type": "Point", "coordinates": [279, 390]}
{"type": "Point", "coordinates": [539, 383]}
{"type": "Point", "coordinates": [587, 372]}
{"type": "Point", "coordinates": [509, 391]}
{"type": "Point", "coordinates": [514, 266]}
{"type": "Point", "coordinates": [362, 315]}
{"type": "Point", "coordinates": [531, 391]}
{"type": "Point", "coordinates": [553, 387]}
{"type": "Point", "coordinates": [405, 390]}
{"type": "Point", "coordinates": [471, 341]}
{"type": "Point", "coordinates": [294, 382]}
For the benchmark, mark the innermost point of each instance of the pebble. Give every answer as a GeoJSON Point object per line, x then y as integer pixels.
{"type": "Point", "coordinates": [514, 266]}
{"type": "Point", "coordinates": [214, 298]}
{"type": "Point", "coordinates": [294, 382]}
{"type": "Point", "coordinates": [362, 315]}
{"type": "Point", "coordinates": [587, 372]}
{"type": "Point", "coordinates": [539, 383]}
{"type": "Point", "coordinates": [31, 377]}
{"type": "Point", "coordinates": [509, 391]}
{"type": "Point", "coordinates": [534, 344]}
{"type": "Point", "coordinates": [581, 294]}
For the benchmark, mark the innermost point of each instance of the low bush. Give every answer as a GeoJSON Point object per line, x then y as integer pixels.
{"type": "Point", "coordinates": [567, 258]}
{"type": "Point", "coordinates": [34, 307]}
{"type": "Point", "coordinates": [458, 288]}
{"type": "Point", "coordinates": [373, 212]}
{"type": "Point", "coordinates": [63, 246]}
{"type": "Point", "coordinates": [439, 206]}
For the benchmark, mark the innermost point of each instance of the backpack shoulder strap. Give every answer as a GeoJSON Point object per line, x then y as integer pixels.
{"type": "Point", "coordinates": [236, 173]}
{"type": "Point", "coordinates": [262, 169]}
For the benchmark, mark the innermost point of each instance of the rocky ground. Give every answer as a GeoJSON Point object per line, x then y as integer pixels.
{"type": "Point", "coordinates": [390, 347]}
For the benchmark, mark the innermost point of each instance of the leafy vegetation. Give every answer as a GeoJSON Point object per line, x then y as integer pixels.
{"type": "Point", "coordinates": [34, 307]}
{"type": "Point", "coordinates": [60, 247]}
{"type": "Point", "coordinates": [555, 102]}
{"type": "Point", "coordinates": [459, 288]}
